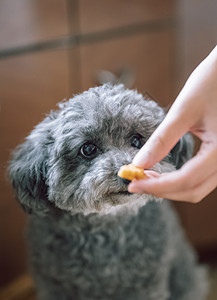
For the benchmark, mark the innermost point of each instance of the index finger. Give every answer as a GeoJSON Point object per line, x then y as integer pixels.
{"type": "Point", "coordinates": [162, 141]}
{"type": "Point", "coordinates": [197, 176]}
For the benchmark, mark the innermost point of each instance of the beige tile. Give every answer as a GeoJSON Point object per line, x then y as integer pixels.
{"type": "Point", "coordinates": [198, 32]}
{"type": "Point", "coordinates": [97, 15]}
{"type": "Point", "coordinates": [148, 56]}
{"type": "Point", "coordinates": [30, 21]}
{"type": "Point", "coordinates": [31, 85]}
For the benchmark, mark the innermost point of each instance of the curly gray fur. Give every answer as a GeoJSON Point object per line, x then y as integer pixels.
{"type": "Point", "coordinates": [89, 238]}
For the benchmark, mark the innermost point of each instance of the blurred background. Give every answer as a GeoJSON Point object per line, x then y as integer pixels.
{"type": "Point", "coordinates": [52, 49]}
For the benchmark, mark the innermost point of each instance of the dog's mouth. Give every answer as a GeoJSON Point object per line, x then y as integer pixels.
{"type": "Point", "coordinates": [119, 197]}
{"type": "Point", "coordinates": [119, 193]}
{"type": "Point", "coordinates": [121, 201]}
{"type": "Point", "coordinates": [126, 193]}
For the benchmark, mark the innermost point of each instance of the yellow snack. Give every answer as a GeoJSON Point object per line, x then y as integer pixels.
{"type": "Point", "coordinates": [131, 172]}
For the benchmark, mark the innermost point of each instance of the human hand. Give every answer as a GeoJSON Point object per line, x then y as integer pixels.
{"type": "Point", "coordinates": [194, 110]}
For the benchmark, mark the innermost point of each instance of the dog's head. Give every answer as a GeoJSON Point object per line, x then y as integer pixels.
{"type": "Point", "coordinates": [71, 159]}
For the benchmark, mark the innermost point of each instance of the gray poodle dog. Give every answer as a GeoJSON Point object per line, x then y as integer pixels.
{"type": "Point", "coordinates": [89, 238]}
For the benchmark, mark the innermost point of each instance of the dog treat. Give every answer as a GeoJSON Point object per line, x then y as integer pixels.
{"type": "Point", "coordinates": [131, 172]}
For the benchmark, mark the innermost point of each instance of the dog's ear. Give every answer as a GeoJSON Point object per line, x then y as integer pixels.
{"type": "Point", "coordinates": [182, 151]}
{"type": "Point", "coordinates": [28, 168]}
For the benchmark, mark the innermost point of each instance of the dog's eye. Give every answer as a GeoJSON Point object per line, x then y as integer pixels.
{"type": "Point", "coordinates": [137, 141]}
{"type": "Point", "coordinates": [89, 150]}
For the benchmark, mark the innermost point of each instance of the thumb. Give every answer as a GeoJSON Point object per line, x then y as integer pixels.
{"type": "Point", "coordinates": [161, 142]}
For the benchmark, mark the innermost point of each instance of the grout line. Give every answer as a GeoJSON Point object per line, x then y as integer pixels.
{"type": "Point", "coordinates": [88, 38]}
{"type": "Point", "coordinates": [74, 61]}
{"type": "Point", "coordinates": [53, 44]}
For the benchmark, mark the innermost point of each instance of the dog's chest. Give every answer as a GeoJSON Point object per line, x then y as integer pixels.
{"type": "Point", "coordinates": [101, 244]}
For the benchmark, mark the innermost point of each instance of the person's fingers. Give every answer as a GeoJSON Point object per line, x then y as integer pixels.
{"type": "Point", "coordinates": [185, 114]}
{"type": "Point", "coordinates": [176, 123]}
{"type": "Point", "coordinates": [195, 170]}
{"type": "Point", "coordinates": [175, 184]}
{"type": "Point", "coordinates": [159, 144]}
{"type": "Point", "coordinates": [197, 193]}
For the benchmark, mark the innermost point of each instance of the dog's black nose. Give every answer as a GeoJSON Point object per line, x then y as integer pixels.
{"type": "Point", "coordinates": [125, 181]}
